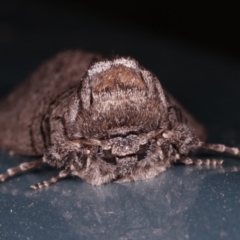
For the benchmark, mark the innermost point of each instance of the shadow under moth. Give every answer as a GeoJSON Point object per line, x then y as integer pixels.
{"type": "Point", "coordinates": [101, 120]}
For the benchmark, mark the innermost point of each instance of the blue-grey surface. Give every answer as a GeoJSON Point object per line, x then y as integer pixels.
{"type": "Point", "coordinates": [181, 203]}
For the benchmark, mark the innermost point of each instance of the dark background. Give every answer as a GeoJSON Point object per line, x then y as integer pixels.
{"type": "Point", "coordinates": [192, 46]}
{"type": "Point", "coordinates": [210, 25]}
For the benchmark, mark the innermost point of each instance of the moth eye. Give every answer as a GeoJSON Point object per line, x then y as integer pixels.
{"type": "Point", "coordinates": [143, 148]}
{"type": "Point", "coordinates": [107, 153]}
{"type": "Point", "coordinates": [108, 156]}
{"type": "Point", "coordinates": [142, 152]}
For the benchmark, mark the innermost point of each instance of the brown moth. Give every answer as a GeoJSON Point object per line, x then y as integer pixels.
{"type": "Point", "coordinates": [100, 120]}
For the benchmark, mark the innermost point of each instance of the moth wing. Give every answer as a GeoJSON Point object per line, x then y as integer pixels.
{"type": "Point", "coordinates": [22, 111]}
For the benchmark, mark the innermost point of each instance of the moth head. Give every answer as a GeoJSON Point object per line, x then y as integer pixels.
{"type": "Point", "coordinates": [121, 107]}
{"type": "Point", "coordinates": [122, 151]}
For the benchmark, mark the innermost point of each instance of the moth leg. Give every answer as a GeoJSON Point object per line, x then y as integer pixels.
{"type": "Point", "coordinates": [54, 179]}
{"type": "Point", "coordinates": [220, 148]}
{"type": "Point", "coordinates": [22, 167]}
{"type": "Point", "coordinates": [199, 162]}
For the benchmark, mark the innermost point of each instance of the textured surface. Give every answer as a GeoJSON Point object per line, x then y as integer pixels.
{"type": "Point", "coordinates": [182, 203]}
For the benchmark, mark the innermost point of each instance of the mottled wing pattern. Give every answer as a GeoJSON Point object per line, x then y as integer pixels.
{"type": "Point", "coordinates": [21, 112]}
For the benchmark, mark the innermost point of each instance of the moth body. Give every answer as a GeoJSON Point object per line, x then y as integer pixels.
{"type": "Point", "coordinates": [100, 120]}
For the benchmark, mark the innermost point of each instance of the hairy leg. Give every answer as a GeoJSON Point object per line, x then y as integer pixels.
{"type": "Point", "coordinates": [207, 162]}
{"type": "Point", "coordinates": [220, 148]}
{"type": "Point", "coordinates": [54, 179]}
{"type": "Point", "coordinates": [22, 167]}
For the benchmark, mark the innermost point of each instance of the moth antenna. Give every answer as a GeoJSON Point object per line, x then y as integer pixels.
{"type": "Point", "coordinates": [54, 179]}
{"type": "Point", "coordinates": [220, 148]}
{"type": "Point", "coordinates": [20, 168]}
{"type": "Point", "coordinates": [199, 162]}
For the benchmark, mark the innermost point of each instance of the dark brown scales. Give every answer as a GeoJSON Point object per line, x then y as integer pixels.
{"type": "Point", "coordinates": [108, 121]}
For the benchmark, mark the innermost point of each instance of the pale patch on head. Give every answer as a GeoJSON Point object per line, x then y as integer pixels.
{"type": "Point", "coordinates": [129, 63]}
{"type": "Point", "coordinates": [102, 66]}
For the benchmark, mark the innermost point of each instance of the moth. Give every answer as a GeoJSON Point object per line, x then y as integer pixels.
{"type": "Point", "coordinates": [102, 120]}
